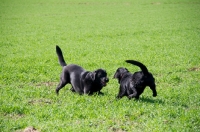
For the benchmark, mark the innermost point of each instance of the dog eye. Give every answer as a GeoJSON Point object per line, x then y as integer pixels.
{"type": "Point", "coordinates": [99, 74]}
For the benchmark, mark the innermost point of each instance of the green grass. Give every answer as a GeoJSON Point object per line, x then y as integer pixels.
{"type": "Point", "coordinates": [164, 35]}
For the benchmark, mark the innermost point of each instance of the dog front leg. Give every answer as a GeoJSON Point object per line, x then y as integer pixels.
{"type": "Point", "coordinates": [122, 92]}
{"type": "Point", "coordinates": [87, 91]}
{"type": "Point", "coordinates": [73, 90]}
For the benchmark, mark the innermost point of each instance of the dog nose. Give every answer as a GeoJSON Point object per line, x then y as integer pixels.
{"type": "Point", "coordinates": [107, 79]}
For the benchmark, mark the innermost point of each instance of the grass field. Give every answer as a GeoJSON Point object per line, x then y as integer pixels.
{"type": "Point", "coordinates": [164, 35]}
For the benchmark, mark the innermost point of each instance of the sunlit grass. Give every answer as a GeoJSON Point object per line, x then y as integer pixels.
{"type": "Point", "coordinates": [163, 35]}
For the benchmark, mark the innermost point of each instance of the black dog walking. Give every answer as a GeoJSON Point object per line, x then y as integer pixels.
{"type": "Point", "coordinates": [133, 85]}
{"type": "Point", "coordinates": [82, 81]}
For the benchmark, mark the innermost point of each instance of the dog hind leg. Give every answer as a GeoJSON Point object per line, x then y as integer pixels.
{"type": "Point", "coordinates": [153, 88]}
{"type": "Point", "coordinates": [134, 94]}
{"type": "Point", "coordinates": [60, 86]}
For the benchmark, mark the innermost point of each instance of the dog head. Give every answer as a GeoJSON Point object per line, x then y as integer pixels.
{"type": "Point", "coordinates": [101, 77]}
{"type": "Point", "coordinates": [120, 73]}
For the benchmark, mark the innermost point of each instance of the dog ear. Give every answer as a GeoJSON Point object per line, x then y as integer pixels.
{"type": "Point", "coordinates": [91, 75]}
{"type": "Point", "coordinates": [116, 75]}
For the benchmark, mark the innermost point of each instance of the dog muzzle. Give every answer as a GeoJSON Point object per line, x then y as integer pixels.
{"type": "Point", "coordinates": [104, 82]}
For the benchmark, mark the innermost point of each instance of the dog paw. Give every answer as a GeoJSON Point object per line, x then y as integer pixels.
{"type": "Point", "coordinates": [100, 93]}
{"type": "Point", "coordinates": [154, 95]}
{"type": "Point", "coordinates": [57, 92]}
{"type": "Point", "coordinates": [129, 97]}
{"type": "Point", "coordinates": [118, 97]}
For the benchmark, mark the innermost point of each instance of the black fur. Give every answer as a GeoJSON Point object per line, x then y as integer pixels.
{"type": "Point", "coordinates": [82, 81]}
{"type": "Point", "coordinates": [133, 85]}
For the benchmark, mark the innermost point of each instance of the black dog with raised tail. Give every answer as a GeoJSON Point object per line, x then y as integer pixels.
{"type": "Point", "coordinates": [82, 81]}
{"type": "Point", "coordinates": [133, 85]}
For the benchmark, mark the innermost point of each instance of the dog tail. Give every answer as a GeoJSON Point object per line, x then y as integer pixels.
{"type": "Point", "coordinates": [142, 66]}
{"type": "Point", "coordinates": [60, 56]}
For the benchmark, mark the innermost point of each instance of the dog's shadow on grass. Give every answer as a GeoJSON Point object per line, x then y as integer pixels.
{"type": "Point", "coordinates": [150, 100]}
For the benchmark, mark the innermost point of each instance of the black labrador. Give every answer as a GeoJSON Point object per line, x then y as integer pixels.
{"type": "Point", "coordinates": [133, 85]}
{"type": "Point", "coordinates": [82, 81]}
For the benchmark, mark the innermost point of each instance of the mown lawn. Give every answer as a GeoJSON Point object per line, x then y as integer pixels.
{"type": "Point", "coordinates": [164, 35]}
